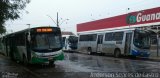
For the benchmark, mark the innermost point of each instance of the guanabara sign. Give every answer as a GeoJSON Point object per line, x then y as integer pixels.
{"type": "Point", "coordinates": [142, 17]}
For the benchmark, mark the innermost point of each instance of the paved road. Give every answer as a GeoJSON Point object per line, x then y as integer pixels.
{"type": "Point", "coordinates": [78, 65]}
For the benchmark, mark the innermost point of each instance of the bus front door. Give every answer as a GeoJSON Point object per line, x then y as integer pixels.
{"type": "Point", "coordinates": [128, 43]}
{"type": "Point", "coordinates": [99, 43]}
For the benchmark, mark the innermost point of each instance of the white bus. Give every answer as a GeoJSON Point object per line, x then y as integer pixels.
{"type": "Point", "coordinates": [133, 42]}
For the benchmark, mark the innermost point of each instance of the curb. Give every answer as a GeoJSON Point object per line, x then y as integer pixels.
{"type": "Point", "coordinates": [153, 59]}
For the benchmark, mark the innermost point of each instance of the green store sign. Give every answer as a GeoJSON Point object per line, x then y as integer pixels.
{"type": "Point", "coordinates": [131, 19]}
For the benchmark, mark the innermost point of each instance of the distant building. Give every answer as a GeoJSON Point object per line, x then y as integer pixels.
{"type": "Point", "coordinates": [67, 33]}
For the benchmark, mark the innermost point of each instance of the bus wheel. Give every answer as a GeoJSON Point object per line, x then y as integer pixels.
{"type": "Point", "coordinates": [89, 51]}
{"type": "Point", "coordinates": [117, 53]}
{"type": "Point", "coordinates": [51, 64]}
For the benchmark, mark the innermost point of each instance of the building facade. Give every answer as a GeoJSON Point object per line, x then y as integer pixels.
{"type": "Point", "coordinates": [145, 19]}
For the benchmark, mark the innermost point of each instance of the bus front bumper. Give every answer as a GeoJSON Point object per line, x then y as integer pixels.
{"type": "Point", "coordinates": [39, 60]}
{"type": "Point", "coordinates": [140, 53]}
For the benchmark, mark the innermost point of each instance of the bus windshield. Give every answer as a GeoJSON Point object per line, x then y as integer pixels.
{"type": "Point", "coordinates": [47, 41]}
{"type": "Point", "coordinates": [141, 39]}
{"type": "Point", "coordinates": [73, 40]}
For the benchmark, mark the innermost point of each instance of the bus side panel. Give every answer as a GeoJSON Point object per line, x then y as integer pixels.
{"type": "Point", "coordinates": [83, 45]}
{"type": "Point", "coordinates": [93, 45]}
{"type": "Point", "coordinates": [108, 47]}
{"type": "Point", "coordinates": [1, 47]}
{"type": "Point", "coordinates": [121, 44]}
{"type": "Point", "coordinates": [4, 49]}
{"type": "Point", "coordinates": [20, 51]}
{"type": "Point", "coordinates": [113, 41]}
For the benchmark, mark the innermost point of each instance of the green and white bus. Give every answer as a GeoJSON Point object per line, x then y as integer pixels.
{"type": "Point", "coordinates": [34, 46]}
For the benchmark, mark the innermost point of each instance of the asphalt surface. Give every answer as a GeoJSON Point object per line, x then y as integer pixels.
{"type": "Point", "coordinates": [76, 65]}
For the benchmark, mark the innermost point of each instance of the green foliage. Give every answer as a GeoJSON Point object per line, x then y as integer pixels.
{"type": "Point", "coordinates": [10, 10]}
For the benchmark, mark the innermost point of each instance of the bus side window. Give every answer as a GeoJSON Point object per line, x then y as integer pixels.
{"type": "Point", "coordinates": [93, 37]}
{"type": "Point", "coordinates": [118, 36]}
{"type": "Point", "coordinates": [83, 38]}
{"type": "Point", "coordinates": [108, 37]}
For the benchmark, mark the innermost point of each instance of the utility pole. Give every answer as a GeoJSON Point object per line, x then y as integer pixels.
{"type": "Point", "coordinates": [57, 20]}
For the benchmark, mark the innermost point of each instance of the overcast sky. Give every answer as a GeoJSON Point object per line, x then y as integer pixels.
{"type": "Point", "coordinates": [77, 11]}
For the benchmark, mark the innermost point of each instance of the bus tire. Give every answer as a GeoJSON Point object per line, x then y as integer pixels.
{"type": "Point", "coordinates": [89, 51]}
{"type": "Point", "coordinates": [51, 64]}
{"type": "Point", "coordinates": [117, 53]}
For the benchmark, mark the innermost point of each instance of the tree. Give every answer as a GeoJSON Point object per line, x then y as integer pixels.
{"type": "Point", "coordinates": [10, 10]}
